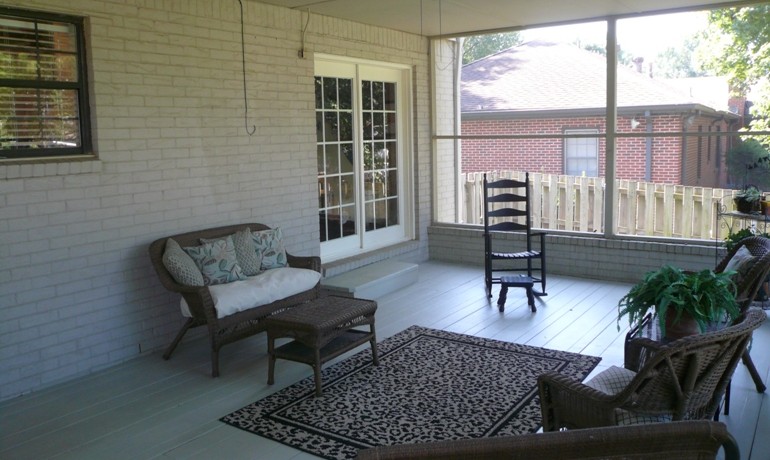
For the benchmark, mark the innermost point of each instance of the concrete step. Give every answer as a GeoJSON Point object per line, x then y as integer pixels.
{"type": "Point", "coordinates": [372, 281]}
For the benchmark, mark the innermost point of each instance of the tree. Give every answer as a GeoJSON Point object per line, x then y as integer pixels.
{"type": "Point", "coordinates": [624, 58]}
{"type": "Point", "coordinates": [760, 111]}
{"type": "Point", "coordinates": [481, 46]}
{"type": "Point", "coordinates": [740, 40]}
{"type": "Point", "coordinates": [748, 163]}
{"type": "Point", "coordinates": [740, 43]}
{"type": "Point", "coordinates": [679, 62]}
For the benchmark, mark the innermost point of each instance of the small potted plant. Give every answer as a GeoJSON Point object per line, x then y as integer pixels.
{"type": "Point", "coordinates": [747, 200]}
{"type": "Point", "coordinates": [676, 295]}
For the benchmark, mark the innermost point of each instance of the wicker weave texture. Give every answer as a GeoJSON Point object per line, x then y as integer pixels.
{"type": "Point", "coordinates": [690, 440]}
{"type": "Point", "coordinates": [684, 379]}
{"type": "Point", "coordinates": [234, 327]}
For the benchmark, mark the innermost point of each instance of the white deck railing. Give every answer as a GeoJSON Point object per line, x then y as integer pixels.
{"type": "Point", "coordinates": [577, 204]}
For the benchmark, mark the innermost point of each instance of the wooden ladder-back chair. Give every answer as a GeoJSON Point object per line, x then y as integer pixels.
{"type": "Point", "coordinates": [682, 380]}
{"type": "Point", "coordinates": [507, 208]}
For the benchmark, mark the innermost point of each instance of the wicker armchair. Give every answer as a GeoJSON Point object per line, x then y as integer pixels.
{"type": "Point", "coordinates": [690, 440]}
{"type": "Point", "coordinates": [752, 280]}
{"type": "Point", "coordinates": [749, 286]}
{"type": "Point", "coordinates": [684, 379]}
{"type": "Point", "coordinates": [230, 328]}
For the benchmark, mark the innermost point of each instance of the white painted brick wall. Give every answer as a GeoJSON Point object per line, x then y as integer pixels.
{"type": "Point", "coordinates": [77, 292]}
{"type": "Point", "coordinates": [587, 257]}
{"type": "Point", "coordinates": [446, 157]}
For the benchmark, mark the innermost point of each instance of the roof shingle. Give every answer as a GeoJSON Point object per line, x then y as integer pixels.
{"type": "Point", "coordinates": [549, 76]}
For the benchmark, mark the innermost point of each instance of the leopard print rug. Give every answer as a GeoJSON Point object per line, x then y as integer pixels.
{"type": "Point", "coordinates": [430, 385]}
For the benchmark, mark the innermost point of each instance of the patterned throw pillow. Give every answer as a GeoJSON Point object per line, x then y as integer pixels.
{"type": "Point", "coordinates": [245, 252]}
{"type": "Point", "coordinates": [217, 261]}
{"type": "Point", "coordinates": [269, 244]}
{"type": "Point", "coordinates": [180, 265]}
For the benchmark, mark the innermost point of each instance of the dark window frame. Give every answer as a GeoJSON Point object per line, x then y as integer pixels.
{"type": "Point", "coordinates": [81, 86]}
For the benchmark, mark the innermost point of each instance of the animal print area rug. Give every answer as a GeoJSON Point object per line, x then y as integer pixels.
{"type": "Point", "coordinates": [430, 385]}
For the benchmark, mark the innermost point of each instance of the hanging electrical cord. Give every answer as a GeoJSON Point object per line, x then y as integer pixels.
{"type": "Point", "coordinates": [301, 52]}
{"type": "Point", "coordinates": [441, 47]}
{"type": "Point", "coordinates": [253, 129]}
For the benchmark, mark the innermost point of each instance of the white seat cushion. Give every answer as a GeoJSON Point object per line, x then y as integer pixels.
{"type": "Point", "coordinates": [262, 289]}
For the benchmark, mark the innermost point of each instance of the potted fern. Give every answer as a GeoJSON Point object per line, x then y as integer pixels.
{"type": "Point", "coordinates": [678, 296]}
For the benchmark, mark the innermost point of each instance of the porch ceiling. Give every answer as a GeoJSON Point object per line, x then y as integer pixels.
{"type": "Point", "coordinates": [463, 17]}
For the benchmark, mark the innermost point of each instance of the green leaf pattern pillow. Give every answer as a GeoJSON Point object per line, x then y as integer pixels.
{"type": "Point", "coordinates": [216, 261]}
{"type": "Point", "coordinates": [269, 244]}
{"type": "Point", "coordinates": [246, 253]}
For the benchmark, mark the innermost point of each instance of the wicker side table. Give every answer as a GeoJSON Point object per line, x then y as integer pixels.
{"type": "Point", "coordinates": [321, 329]}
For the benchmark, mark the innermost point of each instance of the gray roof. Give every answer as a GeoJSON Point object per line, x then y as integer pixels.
{"type": "Point", "coordinates": [537, 76]}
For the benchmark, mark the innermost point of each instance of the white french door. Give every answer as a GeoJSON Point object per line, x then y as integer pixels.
{"type": "Point", "coordinates": [361, 132]}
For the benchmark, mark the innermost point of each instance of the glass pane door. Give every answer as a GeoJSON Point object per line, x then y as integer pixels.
{"type": "Point", "coordinates": [336, 163]}
{"type": "Point", "coordinates": [360, 130]}
{"type": "Point", "coordinates": [380, 154]}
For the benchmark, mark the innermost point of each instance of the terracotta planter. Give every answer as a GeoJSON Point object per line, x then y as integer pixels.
{"type": "Point", "coordinates": [684, 327]}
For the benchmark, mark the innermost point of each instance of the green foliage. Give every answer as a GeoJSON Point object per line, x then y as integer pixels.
{"type": "Point", "coordinates": [680, 62]}
{"type": "Point", "coordinates": [734, 237]}
{"type": "Point", "coordinates": [480, 46]}
{"type": "Point", "coordinates": [624, 58]}
{"type": "Point", "coordinates": [749, 194]}
{"type": "Point", "coordinates": [749, 163]}
{"type": "Point", "coordinates": [760, 115]}
{"type": "Point", "coordinates": [706, 295]}
{"type": "Point", "coordinates": [741, 39]}
{"type": "Point", "coordinates": [739, 48]}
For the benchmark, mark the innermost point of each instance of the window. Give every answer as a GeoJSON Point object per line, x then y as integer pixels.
{"type": "Point", "coordinates": [581, 154]}
{"type": "Point", "coordinates": [671, 136]}
{"type": "Point", "coordinates": [361, 120]}
{"type": "Point", "coordinates": [43, 87]}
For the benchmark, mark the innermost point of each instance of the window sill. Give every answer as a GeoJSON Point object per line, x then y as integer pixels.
{"type": "Point", "coordinates": [47, 167]}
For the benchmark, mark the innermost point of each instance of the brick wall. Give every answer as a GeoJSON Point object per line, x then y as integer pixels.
{"type": "Point", "coordinates": [77, 292]}
{"type": "Point", "coordinates": [547, 155]}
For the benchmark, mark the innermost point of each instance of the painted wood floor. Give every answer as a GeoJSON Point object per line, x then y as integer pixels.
{"type": "Point", "coordinates": [149, 408]}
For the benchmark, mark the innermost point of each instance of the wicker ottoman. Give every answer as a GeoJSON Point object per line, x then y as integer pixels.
{"type": "Point", "coordinates": [322, 329]}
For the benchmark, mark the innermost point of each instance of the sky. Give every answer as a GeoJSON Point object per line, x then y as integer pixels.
{"type": "Point", "coordinates": [645, 36]}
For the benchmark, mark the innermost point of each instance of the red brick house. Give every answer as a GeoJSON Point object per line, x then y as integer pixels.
{"type": "Point", "coordinates": [559, 89]}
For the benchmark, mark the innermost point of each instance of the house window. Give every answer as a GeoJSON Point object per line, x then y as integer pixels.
{"type": "Point", "coordinates": [43, 86]}
{"type": "Point", "coordinates": [581, 154]}
{"type": "Point", "coordinates": [361, 128]}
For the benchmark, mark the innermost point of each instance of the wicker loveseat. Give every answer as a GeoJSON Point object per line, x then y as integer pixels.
{"type": "Point", "coordinates": [202, 305]}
